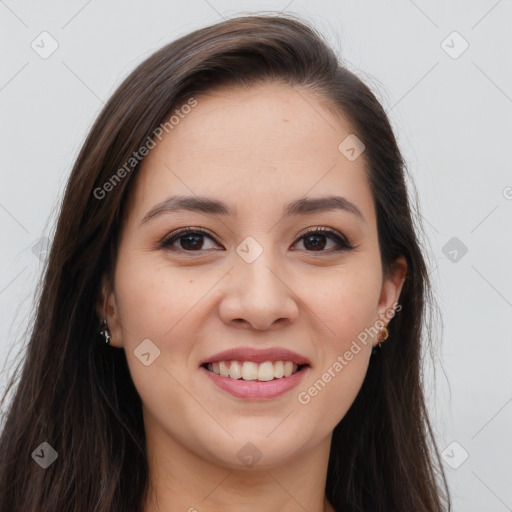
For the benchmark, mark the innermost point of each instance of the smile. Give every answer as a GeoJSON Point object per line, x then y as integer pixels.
{"type": "Point", "coordinates": [275, 379]}
{"type": "Point", "coordinates": [255, 373]}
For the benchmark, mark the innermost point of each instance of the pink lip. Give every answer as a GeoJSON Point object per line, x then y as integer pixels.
{"type": "Point", "coordinates": [257, 356]}
{"type": "Point", "coordinates": [254, 389]}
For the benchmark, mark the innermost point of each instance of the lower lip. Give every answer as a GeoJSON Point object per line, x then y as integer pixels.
{"type": "Point", "coordinates": [255, 389]}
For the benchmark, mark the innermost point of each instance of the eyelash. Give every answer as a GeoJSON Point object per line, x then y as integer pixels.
{"type": "Point", "coordinates": [343, 243]}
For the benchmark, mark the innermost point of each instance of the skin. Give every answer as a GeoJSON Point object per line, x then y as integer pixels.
{"type": "Point", "coordinates": [255, 150]}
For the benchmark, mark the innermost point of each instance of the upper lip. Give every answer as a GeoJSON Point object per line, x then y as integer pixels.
{"type": "Point", "coordinates": [257, 355]}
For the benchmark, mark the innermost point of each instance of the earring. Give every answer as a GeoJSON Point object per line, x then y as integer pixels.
{"type": "Point", "coordinates": [105, 332]}
{"type": "Point", "coordinates": [385, 336]}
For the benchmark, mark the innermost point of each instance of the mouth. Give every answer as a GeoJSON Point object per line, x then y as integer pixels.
{"type": "Point", "coordinates": [255, 374]}
{"type": "Point", "coordinates": [265, 371]}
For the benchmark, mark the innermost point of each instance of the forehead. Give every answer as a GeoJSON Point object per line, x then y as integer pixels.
{"type": "Point", "coordinates": [257, 147]}
{"type": "Point", "coordinates": [237, 122]}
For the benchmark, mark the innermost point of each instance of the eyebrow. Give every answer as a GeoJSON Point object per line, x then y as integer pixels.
{"type": "Point", "coordinates": [200, 204]}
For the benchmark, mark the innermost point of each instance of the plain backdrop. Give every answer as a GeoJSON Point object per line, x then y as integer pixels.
{"type": "Point", "coordinates": [443, 72]}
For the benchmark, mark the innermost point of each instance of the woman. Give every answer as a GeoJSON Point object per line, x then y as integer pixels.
{"type": "Point", "coordinates": [232, 313]}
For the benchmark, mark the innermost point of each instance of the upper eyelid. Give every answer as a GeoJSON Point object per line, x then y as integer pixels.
{"type": "Point", "coordinates": [321, 228]}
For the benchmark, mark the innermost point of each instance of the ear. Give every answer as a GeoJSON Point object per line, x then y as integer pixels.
{"type": "Point", "coordinates": [106, 308]}
{"type": "Point", "coordinates": [391, 289]}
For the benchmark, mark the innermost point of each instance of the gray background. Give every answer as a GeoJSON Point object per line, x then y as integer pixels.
{"type": "Point", "coordinates": [451, 111]}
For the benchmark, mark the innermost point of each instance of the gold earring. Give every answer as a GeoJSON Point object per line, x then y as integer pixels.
{"type": "Point", "coordinates": [385, 335]}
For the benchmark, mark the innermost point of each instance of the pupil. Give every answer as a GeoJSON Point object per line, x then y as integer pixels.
{"type": "Point", "coordinates": [315, 244]}
{"type": "Point", "coordinates": [187, 238]}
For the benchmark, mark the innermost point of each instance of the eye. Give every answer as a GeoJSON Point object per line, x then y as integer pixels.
{"type": "Point", "coordinates": [315, 239]}
{"type": "Point", "coordinates": [192, 240]}
{"type": "Point", "coordinates": [189, 239]}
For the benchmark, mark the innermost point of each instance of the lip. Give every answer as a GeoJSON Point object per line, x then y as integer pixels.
{"type": "Point", "coordinates": [255, 389]}
{"type": "Point", "coordinates": [257, 356]}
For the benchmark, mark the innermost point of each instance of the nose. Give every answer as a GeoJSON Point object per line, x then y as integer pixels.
{"type": "Point", "coordinates": [258, 296]}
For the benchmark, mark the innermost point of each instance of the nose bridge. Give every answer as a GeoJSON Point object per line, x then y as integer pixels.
{"type": "Point", "coordinates": [257, 292]}
{"type": "Point", "coordinates": [258, 267]}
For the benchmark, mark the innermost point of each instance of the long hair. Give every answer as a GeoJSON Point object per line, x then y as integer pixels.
{"type": "Point", "coordinates": [76, 393]}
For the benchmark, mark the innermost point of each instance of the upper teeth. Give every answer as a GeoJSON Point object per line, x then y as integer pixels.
{"type": "Point", "coordinates": [248, 370]}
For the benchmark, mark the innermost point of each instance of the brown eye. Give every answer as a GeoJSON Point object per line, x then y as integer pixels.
{"type": "Point", "coordinates": [315, 240]}
{"type": "Point", "coordinates": [189, 240]}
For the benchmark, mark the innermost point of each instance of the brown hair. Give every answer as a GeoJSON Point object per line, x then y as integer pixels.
{"type": "Point", "coordinates": [76, 393]}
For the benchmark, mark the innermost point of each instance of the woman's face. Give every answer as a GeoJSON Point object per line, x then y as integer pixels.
{"type": "Point", "coordinates": [247, 280]}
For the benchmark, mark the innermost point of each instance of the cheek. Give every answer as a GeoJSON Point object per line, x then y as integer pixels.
{"type": "Point", "coordinates": [325, 400]}
{"type": "Point", "coordinates": [155, 299]}
{"type": "Point", "coordinates": [345, 309]}
{"type": "Point", "coordinates": [332, 386]}
{"type": "Point", "coordinates": [345, 304]}
{"type": "Point", "coordinates": [161, 303]}
{"type": "Point", "coordinates": [157, 303]}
